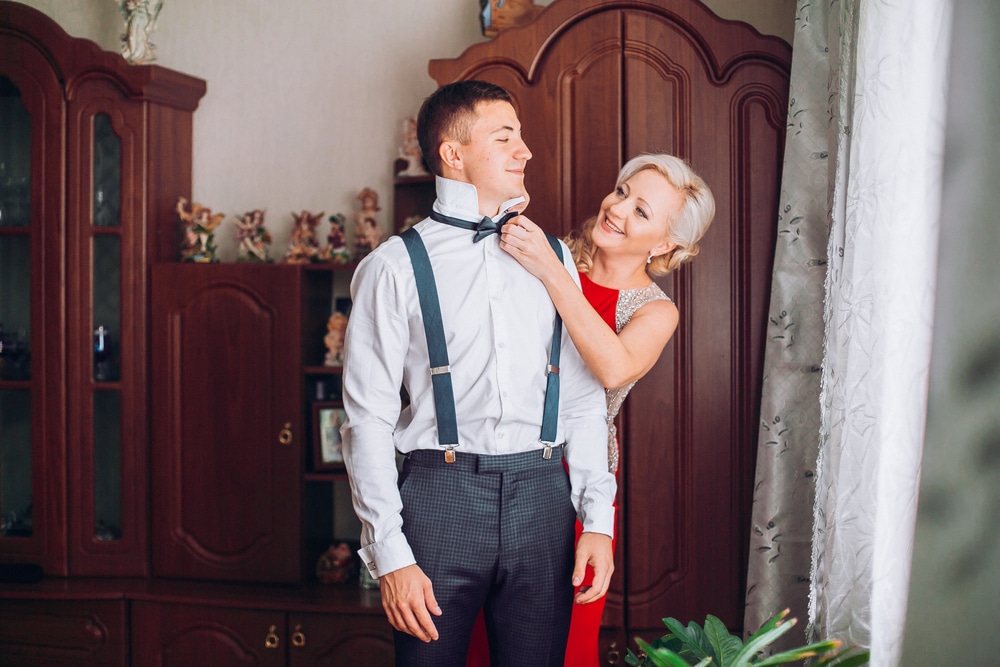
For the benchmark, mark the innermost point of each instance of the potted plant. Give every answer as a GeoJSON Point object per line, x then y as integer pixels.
{"type": "Point", "coordinates": [714, 645]}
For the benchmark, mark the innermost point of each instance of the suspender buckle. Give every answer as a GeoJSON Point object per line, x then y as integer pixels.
{"type": "Point", "coordinates": [552, 369]}
{"type": "Point", "coordinates": [449, 454]}
{"type": "Point", "coordinates": [547, 452]}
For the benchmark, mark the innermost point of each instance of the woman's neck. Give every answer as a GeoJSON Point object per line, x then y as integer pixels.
{"type": "Point", "coordinates": [617, 272]}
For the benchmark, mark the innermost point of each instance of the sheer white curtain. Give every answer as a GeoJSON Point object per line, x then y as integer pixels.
{"type": "Point", "coordinates": [887, 106]}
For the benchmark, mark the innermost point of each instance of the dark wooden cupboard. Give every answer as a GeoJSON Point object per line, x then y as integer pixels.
{"type": "Point", "coordinates": [595, 83]}
{"type": "Point", "coordinates": [94, 153]}
{"type": "Point", "coordinates": [93, 156]}
{"type": "Point", "coordinates": [227, 419]}
{"type": "Point", "coordinates": [64, 633]}
{"type": "Point", "coordinates": [239, 352]}
{"type": "Point", "coordinates": [178, 635]}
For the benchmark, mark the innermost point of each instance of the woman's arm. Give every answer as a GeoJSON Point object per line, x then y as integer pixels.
{"type": "Point", "coordinates": [615, 359]}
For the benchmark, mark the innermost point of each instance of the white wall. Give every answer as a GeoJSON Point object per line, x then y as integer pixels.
{"type": "Point", "coordinates": [305, 100]}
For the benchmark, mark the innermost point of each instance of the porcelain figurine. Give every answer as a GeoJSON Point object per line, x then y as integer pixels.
{"type": "Point", "coordinates": [367, 232]}
{"type": "Point", "coordinates": [410, 151]}
{"type": "Point", "coordinates": [336, 249]}
{"type": "Point", "coordinates": [303, 247]}
{"type": "Point", "coordinates": [140, 21]}
{"type": "Point", "coordinates": [252, 239]}
{"type": "Point", "coordinates": [198, 223]}
{"type": "Point", "coordinates": [336, 326]}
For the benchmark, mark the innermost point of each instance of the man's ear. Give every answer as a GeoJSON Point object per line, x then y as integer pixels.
{"type": "Point", "coordinates": [451, 156]}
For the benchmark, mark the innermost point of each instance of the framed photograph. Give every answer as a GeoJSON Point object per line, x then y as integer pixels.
{"type": "Point", "coordinates": [327, 451]}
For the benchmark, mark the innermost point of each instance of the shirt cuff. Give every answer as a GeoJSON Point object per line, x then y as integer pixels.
{"type": "Point", "coordinates": [600, 520]}
{"type": "Point", "coordinates": [392, 553]}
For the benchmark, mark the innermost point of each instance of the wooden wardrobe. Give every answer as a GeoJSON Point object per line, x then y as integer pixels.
{"type": "Point", "coordinates": [595, 83]}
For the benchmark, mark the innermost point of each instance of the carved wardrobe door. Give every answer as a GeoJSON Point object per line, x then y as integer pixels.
{"type": "Point", "coordinates": [596, 83]}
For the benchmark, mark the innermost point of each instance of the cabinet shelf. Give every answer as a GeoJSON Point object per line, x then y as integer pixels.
{"type": "Point", "coordinates": [329, 476]}
{"type": "Point", "coordinates": [323, 370]}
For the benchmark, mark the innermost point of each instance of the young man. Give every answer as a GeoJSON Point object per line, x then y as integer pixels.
{"type": "Point", "coordinates": [483, 513]}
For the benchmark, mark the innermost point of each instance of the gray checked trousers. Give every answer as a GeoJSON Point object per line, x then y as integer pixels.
{"type": "Point", "coordinates": [493, 533]}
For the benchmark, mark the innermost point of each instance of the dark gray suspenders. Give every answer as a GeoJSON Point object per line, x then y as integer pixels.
{"type": "Point", "coordinates": [437, 352]}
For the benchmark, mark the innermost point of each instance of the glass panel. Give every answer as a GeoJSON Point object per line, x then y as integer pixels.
{"type": "Point", "coordinates": [15, 463]}
{"type": "Point", "coordinates": [107, 308]}
{"type": "Point", "coordinates": [15, 307]}
{"type": "Point", "coordinates": [107, 173]}
{"type": "Point", "coordinates": [107, 466]}
{"type": "Point", "coordinates": [15, 158]}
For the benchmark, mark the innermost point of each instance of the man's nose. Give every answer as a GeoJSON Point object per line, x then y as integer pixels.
{"type": "Point", "coordinates": [523, 153]}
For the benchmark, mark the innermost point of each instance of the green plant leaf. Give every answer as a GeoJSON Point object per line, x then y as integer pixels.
{"type": "Point", "coordinates": [662, 657]}
{"type": "Point", "coordinates": [800, 653]}
{"type": "Point", "coordinates": [692, 637]}
{"type": "Point", "coordinates": [849, 657]}
{"type": "Point", "coordinates": [761, 639]}
{"type": "Point", "coordinates": [725, 646]}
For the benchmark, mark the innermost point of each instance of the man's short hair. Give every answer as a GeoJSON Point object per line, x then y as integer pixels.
{"type": "Point", "coordinates": [449, 114]}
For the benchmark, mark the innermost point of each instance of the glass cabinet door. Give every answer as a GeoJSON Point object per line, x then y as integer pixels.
{"type": "Point", "coordinates": [16, 466]}
{"type": "Point", "coordinates": [106, 434]}
{"type": "Point", "coordinates": [32, 309]}
{"type": "Point", "coordinates": [106, 326]}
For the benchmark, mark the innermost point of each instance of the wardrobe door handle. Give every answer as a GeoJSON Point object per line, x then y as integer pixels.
{"type": "Point", "coordinates": [271, 639]}
{"type": "Point", "coordinates": [285, 436]}
{"type": "Point", "coordinates": [614, 655]}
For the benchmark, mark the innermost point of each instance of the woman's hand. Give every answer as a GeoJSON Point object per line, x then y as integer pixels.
{"type": "Point", "coordinates": [525, 241]}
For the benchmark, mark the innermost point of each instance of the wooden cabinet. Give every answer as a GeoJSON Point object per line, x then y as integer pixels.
{"type": "Point", "coordinates": [229, 425]}
{"type": "Point", "coordinates": [595, 83]}
{"type": "Point", "coordinates": [102, 356]}
{"type": "Point", "coordinates": [63, 633]}
{"type": "Point", "coordinates": [93, 154]}
{"type": "Point", "coordinates": [183, 634]}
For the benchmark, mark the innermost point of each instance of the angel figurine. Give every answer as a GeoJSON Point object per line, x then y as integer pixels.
{"type": "Point", "coordinates": [199, 223]}
{"type": "Point", "coordinates": [140, 21]}
{"type": "Point", "coordinates": [336, 249]}
{"type": "Point", "coordinates": [334, 339]}
{"type": "Point", "coordinates": [252, 238]}
{"type": "Point", "coordinates": [303, 248]}
{"type": "Point", "coordinates": [410, 151]}
{"type": "Point", "coordinates": [367, 232]}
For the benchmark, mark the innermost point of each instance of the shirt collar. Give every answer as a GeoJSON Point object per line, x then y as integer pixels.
{"type": "Point", "coordinates": [458, 199]}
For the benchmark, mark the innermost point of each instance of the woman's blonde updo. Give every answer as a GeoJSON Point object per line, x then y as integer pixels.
{"type": "Point", "coordinates": [684, 230]}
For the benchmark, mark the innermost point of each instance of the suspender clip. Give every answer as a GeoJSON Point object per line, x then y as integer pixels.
{"type": "Point", "coordinates": [449, 454]}
{"type": "Point", "coordinates": [547, 452]}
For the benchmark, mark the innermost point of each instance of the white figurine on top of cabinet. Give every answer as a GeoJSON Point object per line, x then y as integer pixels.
{"type": "Point", "coordinates": [140, 21]}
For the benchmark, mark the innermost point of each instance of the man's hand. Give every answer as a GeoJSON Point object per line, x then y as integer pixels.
{"type": "Point", "coordinates": [595, 549]}
{"type": "Point", "coordinates": [407, 597]}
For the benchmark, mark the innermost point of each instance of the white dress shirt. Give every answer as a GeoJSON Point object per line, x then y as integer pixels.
{"type": "Point", "coordinates": [498, 325]}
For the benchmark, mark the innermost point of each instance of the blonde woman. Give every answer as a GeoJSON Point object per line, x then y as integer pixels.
{"type": "Point", "coordinates": [649, 225]}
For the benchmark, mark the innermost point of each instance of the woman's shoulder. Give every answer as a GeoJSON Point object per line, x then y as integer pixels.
{"type": "Point", "coordinates": [643, 295]}
{"type": "Point", "coordinates": [630, 301]}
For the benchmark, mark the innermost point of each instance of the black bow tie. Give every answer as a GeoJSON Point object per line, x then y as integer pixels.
{"type": "Point", "coordinates": [482, 229]}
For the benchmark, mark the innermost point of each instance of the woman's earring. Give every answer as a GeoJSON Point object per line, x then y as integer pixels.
{"type": "Point", "coordinates": [650, 258]}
